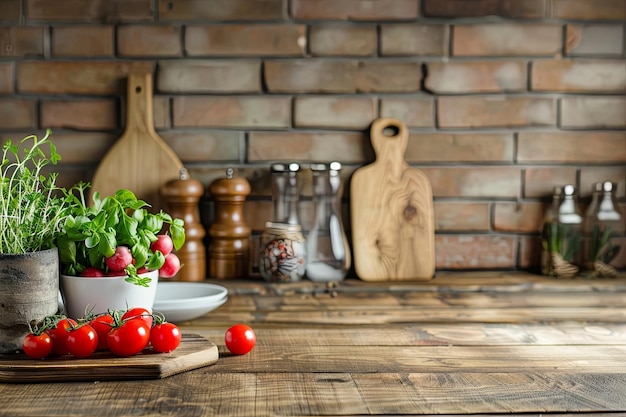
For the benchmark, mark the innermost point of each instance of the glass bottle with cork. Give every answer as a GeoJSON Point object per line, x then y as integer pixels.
{"type": "Point", "coordinates": [565, 236]}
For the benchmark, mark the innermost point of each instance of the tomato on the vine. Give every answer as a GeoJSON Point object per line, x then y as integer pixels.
{"type": "Point", "coordinates": [58, 334]}
{"type": "Point", "coordinates": [165, 337]}
{"type": "Point", "coordinates": [102, 325]}
{"type": "Point", "coordinates": [240, 339]}
{"type": "Point", "coordinates": [37, 346]}
{"type": "Point", "coordinates": [128, 338]}
{"type": "Point", "coordinates": [138, 313]}
{"type": "Point", "coordinates": [82, 341]}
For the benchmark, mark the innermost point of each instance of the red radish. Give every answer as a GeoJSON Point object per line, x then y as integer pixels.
{"type": "Point", "coordinates": [120, 260]}
{"type": "Point", "coordinates": [170, 267]}
{"type": "Point", "coordinates": [163, 244]}
{"type": "Point", "coordinates": [92, 272]}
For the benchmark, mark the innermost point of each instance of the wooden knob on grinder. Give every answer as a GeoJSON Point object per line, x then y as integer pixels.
{"type": "Point", "coordinates": [229, 251]}
{"type": "Point", "coordinates": [181, 197]}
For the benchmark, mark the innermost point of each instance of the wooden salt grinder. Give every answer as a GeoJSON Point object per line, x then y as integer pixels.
{"type": "Point", "coordinates": [229, 255]}
{"type": "Point", "coordinates": [181, 197]}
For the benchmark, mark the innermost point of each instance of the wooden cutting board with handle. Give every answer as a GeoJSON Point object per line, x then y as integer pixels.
{"type": "Point", "coordinates": [391, 210]}
{"type": "Point", "coordinates": [140, 160]}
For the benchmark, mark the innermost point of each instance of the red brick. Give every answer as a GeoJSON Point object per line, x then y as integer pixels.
{"type": "Point", "coordinates": [579, 76]}
{"type": "Point", "coordinates": [572, 147]}
{"type": "Point", "coordinates": [83, 147]}
{"type": "Point", "coordinates": [222, 10]}
{"type": "Point", "coordinates": [589, 9]}
{"type": "Point", "coordinates": [355, 9]}
{"type": "Point", "coordinates": [413, 39]}
{"type": "Point", "coordinates": [96, 11]}
{"type": "Point", "coordinates": [460, 147]}
{"type": "Point", "coordinates": [246, 40]}
{"type": "Point", "coordinates": [7, 79]}
{"type": "Point", "coordinates": [334, 40]}
{"type": "Point", "coordinates": [592, 174]}
{"type": "Point", "coordinates": [161, 112]}
{"type": "Point", "coordinates": [80, 77]}
{"type": "Point", "coordinates": [324, 76]}
{"type": "Point", "coordinates": [17, 113]}
{"type": "Point", "coordinates": [529, 257]}
{"type": "Point", "coordinates": [458, 216]}
{"type": "Point", "coordinates": [507, 39]}
{"type": "Point", "coordinates": [310, 76]}
{"type": "Point", "coordinates": [484, 181]}
{"type": "Point", "coordinates": [21, 41]}
{"type": "Point", "coordinates": [539, 182]}
{"type": "Point", "coordinates": [495, 111]}
{"type": "Point", "coordinates": [511, 9]}
{"type": "Point", "coordinates": [79, 114]}
{"type": "Point", "coordinates": [476, 76]}
{"type": "Point", "coordinates": [252, 112]}
{"type": "Point", "coordinates": [270, 146]}
{"type": "Point", "coordinates": [209, 76]}
{"type": "Point", "coordinates": [475, 252]}
{"type": "Point", "coordinates": [79, 41]}
{"type": "Point", "coordinates": [335, 112]}
{"type": "Point", "coordinates": [589, 40]}
{"type": "Point", "coordinates": [518, 217]}
{"type": "Point", "coordinates": [593, 111]}
{"type": "Point", "coordinates": [148, 41]}
{"type": "Point", "coordinates": [414, 111]}
{"type": "Point", "coordinates": [11, 11]}
{"type": "Point", "coordinates": [205, 146]}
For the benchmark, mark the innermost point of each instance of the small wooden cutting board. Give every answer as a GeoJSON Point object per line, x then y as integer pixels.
{"type": "Point", "coordinates": [391, 209]}
{"type": "Point", "coordinates": [193, 352]}
{"type": "Point", "coordinates": [140, 160]}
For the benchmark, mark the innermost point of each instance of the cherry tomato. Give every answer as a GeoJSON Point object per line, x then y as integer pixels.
{"type": "Point", "coordinates": [59, 334]}
{"type": "Point", "coordinates": [129, 338]}
{"type": "Point", "coordinates": [138, 313]}
{"type": "Point", "coordinates": [102, 325]}
{"type": "Point", "coordinates": [37, 346]}
{"type": "Point", "coordinates": [240, 339]}
{"type": "Point", "coordinates": [82, 341]}
{"type": "Point", "coordinates": [165, 337]}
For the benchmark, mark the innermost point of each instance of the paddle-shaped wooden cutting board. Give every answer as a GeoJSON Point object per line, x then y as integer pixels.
{"type": "Point", "coordinates": [140, 160]}
{"type": "Point", "coordinates": [391, 209]}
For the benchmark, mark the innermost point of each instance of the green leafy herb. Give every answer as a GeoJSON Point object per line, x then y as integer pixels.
{"type": "Point", "coordinates": [32, 207]}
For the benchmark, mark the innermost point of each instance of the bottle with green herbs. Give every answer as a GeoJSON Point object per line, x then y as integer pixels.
{"type": "Point", "coordinates": [602, 223]}
{"type": "Point", "coordinates": [550, 225]}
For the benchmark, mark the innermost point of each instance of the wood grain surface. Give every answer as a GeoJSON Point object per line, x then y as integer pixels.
{"type": "Point", "coordinates": [497, 344]}
{"type": "Point", "coordinates": [140, 160]}
{"type": "Point", "coordinates": [392, 216]}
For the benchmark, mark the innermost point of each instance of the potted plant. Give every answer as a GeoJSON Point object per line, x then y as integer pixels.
{"type": "Point", "coordinates": [113, 251]}
{"type": "Point", "coordinates": [32, 210]}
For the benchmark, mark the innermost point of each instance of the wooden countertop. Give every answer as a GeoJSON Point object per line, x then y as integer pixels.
{"type": "Point", "coordinates": [473, 343]}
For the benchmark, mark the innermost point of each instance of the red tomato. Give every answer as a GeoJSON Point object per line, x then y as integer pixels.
{"type": "Point", "coordinates": [240, 339]}
{"type": "Point", "coordinates": [165, 337]}
{"type": "Point", "coordinates": [138, 313]}
{"type": "Point", "coordinates": [37, 346]}
{"type": "Point", "coordinates": [59, 335]}
{"type": "Point", "coordinates": [130, 338]}
{"type": "Point", "coordinates": [102, 325]}
{"type": "Point", "coordinates": [82, 341]}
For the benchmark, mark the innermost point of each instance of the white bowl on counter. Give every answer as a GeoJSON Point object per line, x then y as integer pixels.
{"type": "Point", "coordinates": [184, 301]}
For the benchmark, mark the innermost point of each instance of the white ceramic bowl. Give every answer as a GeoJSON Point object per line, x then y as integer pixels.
{"type": "Point", "coordinates": [183, 301]}
{"type": "Point", "coordinates": [81, 294]}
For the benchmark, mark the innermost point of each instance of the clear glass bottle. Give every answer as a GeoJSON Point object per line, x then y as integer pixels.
{"type": "Point", "coordinates": [566, 245]}
{"type": "Point", "coordinates": [549, 231]}
{"type": "Point", "coordinates": [282, 254]}
{"type": "Point", "coordinates": [603, 221]}
{"type": "Point", "coordinates": [328, 252]}
{"type": "Point", "coordinates": [285, 192]}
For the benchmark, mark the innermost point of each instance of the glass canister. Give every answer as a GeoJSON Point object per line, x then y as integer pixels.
{"type": "Point", "coordinates": [328, 252]}
{"type": "Point", "coordinates": [285, 192]}
{"type": "Point", "coordinates": [566, 241]}
{"type": "Point", "coordinates": [282, 252]}
{"type": "Point", "coordinates": [602, 223]}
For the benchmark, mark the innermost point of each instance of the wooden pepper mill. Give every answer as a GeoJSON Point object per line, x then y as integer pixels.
{"type": "Point", "coordinates": [229, 250]}
{"type": "Point", "coordinates": [181, 197]}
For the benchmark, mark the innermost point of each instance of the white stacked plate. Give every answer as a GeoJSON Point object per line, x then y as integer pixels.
{"type": "Point", "coordinates": [183, 301]}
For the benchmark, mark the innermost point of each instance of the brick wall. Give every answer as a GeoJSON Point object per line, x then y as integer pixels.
{"type": "Point", "coordinates": [505, 99]}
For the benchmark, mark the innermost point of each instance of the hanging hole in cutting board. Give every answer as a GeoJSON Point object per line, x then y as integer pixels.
{"type": "Point", "coordinates": [391, 131]}
{"type": "Point", "coordinates": [138, 89]}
